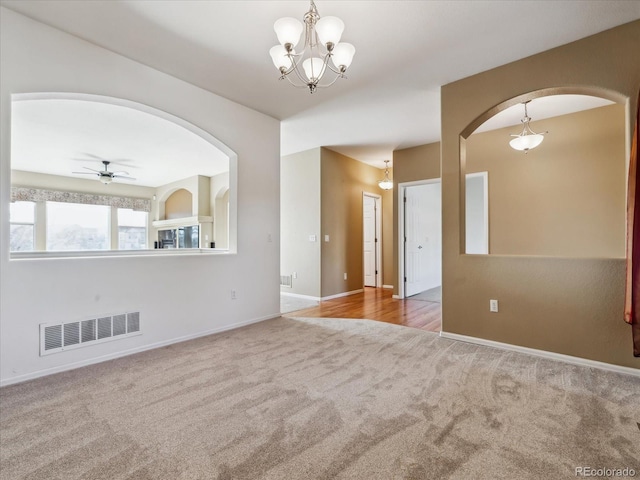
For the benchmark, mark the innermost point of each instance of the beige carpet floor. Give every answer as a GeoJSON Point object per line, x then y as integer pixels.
{"type": "Point", "coordinates": [320, 399]}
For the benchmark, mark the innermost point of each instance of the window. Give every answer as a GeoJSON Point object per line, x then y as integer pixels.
{"type": "Point", "coordinates": [22, 226]}
{"type": "Point", "coordinates": [132, 229]}
{"type": "Point", "coordinates": [75, 227]}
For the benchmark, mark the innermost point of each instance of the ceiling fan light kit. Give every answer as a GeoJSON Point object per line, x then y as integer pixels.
{"type": "Point", "coordinates": [322, 49]}
{"type": "Point", "coordinates": [106, 176]}
{"type": "Point", "coordinates": [527, 139]}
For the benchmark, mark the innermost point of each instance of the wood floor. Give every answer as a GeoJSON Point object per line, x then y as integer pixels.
{"type": "Point", "coordinates": [378, 304]}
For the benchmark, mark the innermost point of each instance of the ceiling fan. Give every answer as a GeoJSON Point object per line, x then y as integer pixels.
{"type": "Point", "coordinates": [105, 176]}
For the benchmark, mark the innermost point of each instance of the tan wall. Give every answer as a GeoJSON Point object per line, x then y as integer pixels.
{"type": "Point", "coordinates": [343, 182]}
{"type": "Point", "coordinates": [565, 198]}
{"type": "Point", "coordinates": [410, 165]}
{"type": "Point", "coordinates": [178, 205]}
{"type": "Point", "coordinates": [566, 305]}
{"type": "Point", "coordinates": [299, 218]}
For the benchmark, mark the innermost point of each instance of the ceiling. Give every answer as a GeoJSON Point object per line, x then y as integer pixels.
{"type": "Point", "coordinates": [59, 137]}
{"type": "Point", "coordinates": [405, 50]}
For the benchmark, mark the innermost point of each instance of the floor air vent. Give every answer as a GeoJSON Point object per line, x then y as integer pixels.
{"type": "Point", "coordinates": [65, 336]}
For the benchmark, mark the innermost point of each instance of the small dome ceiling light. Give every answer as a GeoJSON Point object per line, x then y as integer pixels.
{"type": "Point", "coordinates": [386, 183]}
{"type": "Point", "coordinates": [527, 139]}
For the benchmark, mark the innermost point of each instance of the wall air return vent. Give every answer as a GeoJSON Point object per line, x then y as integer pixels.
{"type": "Point", "coordinates": [59, 337]}
{"type": "Point", "coordinates": [285, 281]}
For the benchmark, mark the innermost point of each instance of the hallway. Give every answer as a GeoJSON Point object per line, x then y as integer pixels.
{"type": "Point", "coordinates": [378, 304]}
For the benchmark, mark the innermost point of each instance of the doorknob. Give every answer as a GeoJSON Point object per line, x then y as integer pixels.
{"type": "Point", "coordinates": [419, 246]}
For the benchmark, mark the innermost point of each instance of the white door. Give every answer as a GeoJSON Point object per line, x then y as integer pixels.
{"type": "Point", "coordinates": [369, 240]}
{"type": "Point", "coordinates": [423, 238]}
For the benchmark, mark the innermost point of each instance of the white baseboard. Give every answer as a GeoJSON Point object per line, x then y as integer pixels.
{"type": "Point", "coordinates": [397, 297]}
{"type": "Point", "coordinates": [388, 286]}
{"type": "Point", "coordinates": [542, 353]}
{"type": "Point", "coordinates": [298, 295]}
{"type": "Point", "coordinates": [124, 353]}
{"type": "Point", "coordinates": [343, 294]}
{"type": "Point", "coordinates": [320, 299]}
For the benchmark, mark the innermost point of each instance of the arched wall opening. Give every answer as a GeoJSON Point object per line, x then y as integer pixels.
{"type": "Point", "coordinates": [564, 198]}
{"type": "Point", "coordinates": [148, 154]}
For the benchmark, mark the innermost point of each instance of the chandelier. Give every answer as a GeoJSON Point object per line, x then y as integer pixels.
{"type": "Point", "coordinates": [322, 49]}
{"type": "Point", "coordinates": [386, 183]}
{"type": "Point", "coordinates": [527, 139]}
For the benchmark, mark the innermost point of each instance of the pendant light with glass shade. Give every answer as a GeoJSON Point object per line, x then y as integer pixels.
{"type": "Point", "coordinates": [386, 183]}
{"type": "Point", "coordinates": [527, 139]}
{"type": "Point", "coordinates": [322, 49]}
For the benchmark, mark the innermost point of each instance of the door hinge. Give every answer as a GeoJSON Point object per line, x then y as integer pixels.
{"type": "Point", "coordinates": [376, 240]}
{"type": "Point", "coordinates": [405, 279]}
{"type": "Point", "coordinates": [376, 272]}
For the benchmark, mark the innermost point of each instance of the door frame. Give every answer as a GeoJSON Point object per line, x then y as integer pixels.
{"type": "Point", "coordinates": [378, 254]}
{"type": "Point", "coordinates": [401, 229]}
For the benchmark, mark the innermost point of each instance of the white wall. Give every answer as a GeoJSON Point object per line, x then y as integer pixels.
{"type": "Point", "coordinates": [300, 218]}
{"type": "Point", "coordinates": [178, 296]}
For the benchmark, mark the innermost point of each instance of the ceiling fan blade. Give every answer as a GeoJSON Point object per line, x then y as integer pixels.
{"type": "Point", "coordinates": [84, 173]}
{"type": "Point", "coordinates": [120, 173]}
{"type": "Point", "coordinates": [123, 176]}
{"type": "Point", "coordinates": [92, 169]}
{"type": "Point", "coordinates": [92, 156]}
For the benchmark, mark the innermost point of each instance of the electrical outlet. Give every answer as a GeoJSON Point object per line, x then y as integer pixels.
{"type": "Point", "coordinates": [312, 238]}
{"type": "Point", "coordinates": [345, 275]}
{"type": "Point", "coordinates": [493, 305]}
{"type": "Point", "coordinates": [233, 294]}
{"type": "Point", "coordinates": [326, 238]}
{"type": "Point", "coordinates": [269, 238]}
{"type": "Point", "coordinates": [294, 274]}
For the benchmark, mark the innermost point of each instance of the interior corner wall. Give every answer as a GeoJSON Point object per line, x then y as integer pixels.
{"type": "Point", "coordinates": [178, 296]}
{"type": "Point", "coordinates": [571, 306]}
{"type": "Point", "coordinates": [343, 182]}
{"type": "Point", "coordinates": [388, 239]}
{"type": "Point", "coordinates": [565, 198]}
{"type": "Point", "coordinates": [300, 221]}
{"type": "Point", "coordinates": [411, 165]}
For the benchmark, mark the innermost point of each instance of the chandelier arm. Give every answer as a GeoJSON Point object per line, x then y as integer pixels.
{"type": "Point", "coordinates": [295, 84]}
{"type": "Point", "coordinates": [328, 84]}
{"type": "Point", "coordinates": [337, 72]}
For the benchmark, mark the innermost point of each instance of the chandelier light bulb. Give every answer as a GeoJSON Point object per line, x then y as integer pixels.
{"type": "Point", "coordinates": [288, 30]}
{"type": "Point", "coordinates": [279, 57]}
{"type": "Point", "coordinates": [313, 68]}
{"type": "Point", "coordinates": [329, 30]}
{"type": "Point", "coordinates": [342, 55]}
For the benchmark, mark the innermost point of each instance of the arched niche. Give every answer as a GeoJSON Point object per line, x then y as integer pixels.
{"type": "Point", "coordinates": [171, 161]}
{"type": "Point", "coordinates": [565, 198]}
{"type": "Point", "coordinates": [179, 204]}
